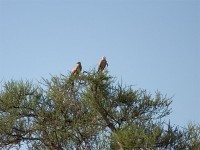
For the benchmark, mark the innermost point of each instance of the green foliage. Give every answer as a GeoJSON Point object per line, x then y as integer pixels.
{"type": "Point", "coordinates": [89, 111]}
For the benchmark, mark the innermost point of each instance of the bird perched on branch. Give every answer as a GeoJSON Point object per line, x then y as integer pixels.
{"type": "Point", "coordinates": [75, 72]}
{"type": "Point", "coordinates": [77, 69]}
{"type": "Point", "coordinates": [102, 64]}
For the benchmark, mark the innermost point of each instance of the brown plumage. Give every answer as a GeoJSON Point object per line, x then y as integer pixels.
{"type": "Point", "coordinates": [77, 69]}
{"type": "Point", "coordinates": [75, 72]}
{"type": "Point", "coordinates": [102, 64]}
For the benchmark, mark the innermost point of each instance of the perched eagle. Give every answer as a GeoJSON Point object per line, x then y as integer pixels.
{"type": "Point", "coordinates": [77, 69]}
{"type": "Point", "coordinates": [102, 64]}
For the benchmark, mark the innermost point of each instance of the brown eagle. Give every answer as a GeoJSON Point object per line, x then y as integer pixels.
{"type": "Point", "coordinates": [77, 69]}
{"type": "Point", "coordinates": [102, 64]}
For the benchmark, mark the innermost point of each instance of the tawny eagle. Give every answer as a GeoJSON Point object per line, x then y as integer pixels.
{"type": "Point", "coordinates": [77, 69]}
{"type": "Point", "coordinates": [102, 64]}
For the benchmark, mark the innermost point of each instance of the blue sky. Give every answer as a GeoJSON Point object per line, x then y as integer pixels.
{"type": "Point", "coordinates": [152, 44]}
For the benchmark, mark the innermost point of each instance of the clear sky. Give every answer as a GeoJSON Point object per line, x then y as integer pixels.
{"type": "Point", "coordinates": [152, 44]}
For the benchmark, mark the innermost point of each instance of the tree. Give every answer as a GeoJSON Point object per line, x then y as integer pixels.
{"type": "Point", "coordinates": [94, 112]}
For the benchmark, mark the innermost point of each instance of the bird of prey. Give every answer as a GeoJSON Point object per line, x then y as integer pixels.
{"type": "Point", "coordinates": [77, 69]}
{"type": "Point", "coordinates": [102, 64]}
